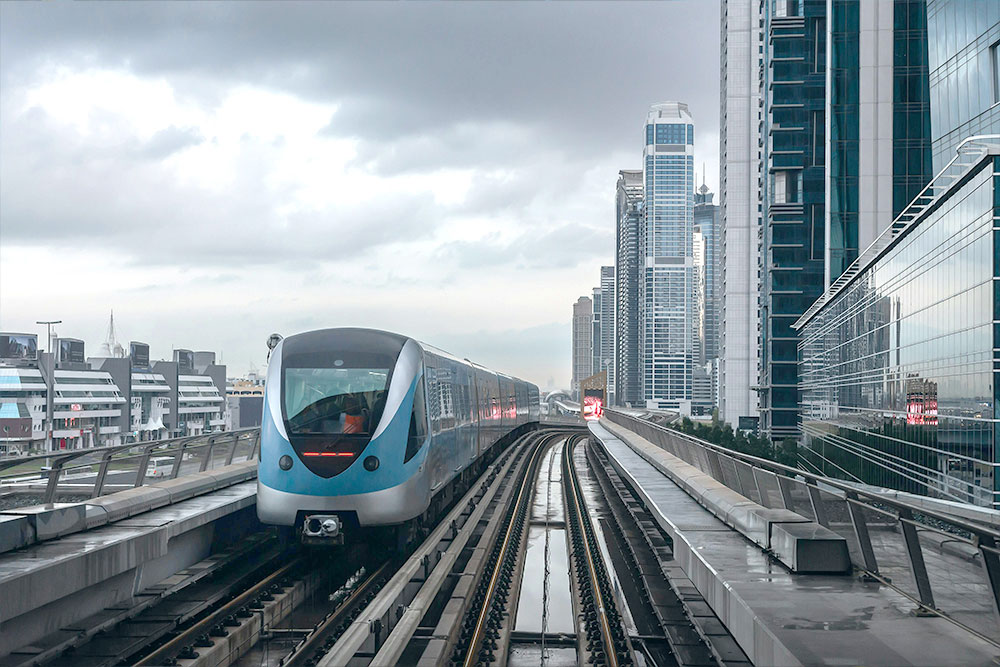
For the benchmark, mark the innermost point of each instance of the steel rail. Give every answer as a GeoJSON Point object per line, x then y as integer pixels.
{"type": "Point", "coordinates": [574, 503]}
{"type": "Point", "coordinates": [321, 631]}
{"type": "Point", "coordinates": [471, 506]}
{"type": "Point", "coordinates": [163, 654]}
{"type": "Point", "coordinates": [523, 497]}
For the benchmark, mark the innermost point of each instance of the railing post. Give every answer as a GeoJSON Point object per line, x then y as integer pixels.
{"type": "Point", "coordinates": [916, 554]}
{"type": "Point", "coordinates": [861, 532]}
{"type": "Point", "coordinates": [208, 454]}
{"type": "Point", "coordinates": [140, 474]}
{"type": "Point", "coordinates": [816, 500]}
{"type": "Point", "coordinates": [102, 473]}
{"type": "Point", "coordinates": [232, 450]}
{"type": "Point", "coordinates": [785, 488]}
{"type": "Point", "coordinates": [53, 482]}
{"type": "Point", "coordinates": [178, 460]}
{"type": "Point", "coordinates": [991, 563]}
{"type": "Point", "coordinates": [255, 449]}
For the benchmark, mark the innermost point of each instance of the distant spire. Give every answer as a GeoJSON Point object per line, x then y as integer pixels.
{"type": "Point", "coordinates": [110, 347]}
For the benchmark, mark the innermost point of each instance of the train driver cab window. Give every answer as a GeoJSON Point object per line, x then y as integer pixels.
{"type": "Point", "coordinates": [334, 400]}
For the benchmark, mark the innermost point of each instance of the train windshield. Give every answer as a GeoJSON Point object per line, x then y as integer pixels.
{"type": "Point", "coordinates": [334, 385]}
{"type": "Point", "coordinates": [345, 401]}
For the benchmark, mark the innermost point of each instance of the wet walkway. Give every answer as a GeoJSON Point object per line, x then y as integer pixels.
{"type": "Point", "coordinates": [780, 618]}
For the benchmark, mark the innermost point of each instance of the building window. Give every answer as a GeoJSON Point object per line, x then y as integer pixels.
{"type": "Point", "coordinates": [995, 62]}
{"type": "Point", "coordinates": [819, 139]}
{"type": "Point", "coordinates": [785, 8]}
{"type": "Point", "coordinates": [785, 187]}
{"type": "Point", "coordinates": [819, 44]}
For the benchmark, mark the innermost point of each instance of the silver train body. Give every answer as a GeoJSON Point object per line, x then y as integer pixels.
{"type": "Point", "coordinates": [366, 427]}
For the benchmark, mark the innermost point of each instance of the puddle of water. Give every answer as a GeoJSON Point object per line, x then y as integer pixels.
{"type": "Point", "coordinates": [547, 503]}
{"type": "Point", "coordinates": [531, 656]}
{"type": "Point", "coordinates": [545, 604]}
{"type": "Point", "coordinates": [531, 603]}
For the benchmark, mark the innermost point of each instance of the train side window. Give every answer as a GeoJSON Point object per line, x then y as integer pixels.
{"type": "Point", "coordinates": [418, 423]}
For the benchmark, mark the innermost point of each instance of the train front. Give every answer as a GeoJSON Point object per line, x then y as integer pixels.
{"type": "Point", "coordinates": [344, 433]}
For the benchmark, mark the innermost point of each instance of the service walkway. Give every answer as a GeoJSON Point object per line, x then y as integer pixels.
{"type": "Point", "coordinates": [778, 617]}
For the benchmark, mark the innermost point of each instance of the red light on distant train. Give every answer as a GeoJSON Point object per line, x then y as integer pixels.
{"type": "Point", "coordinates": [593, 407]}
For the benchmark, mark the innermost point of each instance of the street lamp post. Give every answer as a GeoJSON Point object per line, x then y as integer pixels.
{"type": "Point", "coordinates": [48, 324]}
{"type": "Point", "coordinates": [48, 394]}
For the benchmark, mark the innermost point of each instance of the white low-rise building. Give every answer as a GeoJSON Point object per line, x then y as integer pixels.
{"type": "Point", "coordinates": [150, 406]}
{"type": "Point", "coordinates": [200, 406]}
{"type": "Point", "coordinates": [87, 408]}
{"type": "Point", "coordinates": [23, 396]}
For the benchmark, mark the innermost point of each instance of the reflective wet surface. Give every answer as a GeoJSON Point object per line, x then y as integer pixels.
{"type": "Point", "coordinates": [545, 604]}
{"type": "Point", "coordinates": [525, 655]}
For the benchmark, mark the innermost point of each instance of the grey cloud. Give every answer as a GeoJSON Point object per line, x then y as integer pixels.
{"type": "Point", "coordinates": [563, 246]}
{"type": "Point", "coordinates": [166, 142]}
{"type": "Point", "coordinates": [585, 72]}
{"type": "Point", "coordinates": [138, 209]}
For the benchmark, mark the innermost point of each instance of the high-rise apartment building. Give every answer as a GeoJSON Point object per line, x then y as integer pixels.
{"type": "Point", "coordinates": [583, 361]}
{"type": "Point", "coordinates": [706, 262]}
{"type": "Point", "coordinates": [666, 290]}
{"type": "Point", "coordinates": [628, 220]}
{"type": "Point", "coordinates": [878, 119]}
{"type": "Point", "coordinates": [964, 63]}
{"type": "Point", "coordinates": [595, 335]}
{"type": "Point", "coordinates": [792, 176]}
{"type": "Point", "coordinates": [739, 211]}
{"type": "Point", "coordinates": [605, 344]}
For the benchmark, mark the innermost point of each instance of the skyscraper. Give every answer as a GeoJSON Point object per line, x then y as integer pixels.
{"type": "Point", "coordinates": [606, 343]}
{"type": "Point", "coordinates": [583, 362]}
{"type": "Point", "coordinates": [706, 231]}
{"type": "Point", "coordinates": [878, 115]}
{"type": "Point", "coordinates": [628, 220]}
{"type": "Point", "coordinates": [666, 291]}
{"type": "Point", "coordinates": [739, 209]}
{"type": "Point", "coordinates": [595, 336]}
{"type": "Point", "coordinates": [793, 193]}
{"type": "Point", "coordinates": [964, 63]}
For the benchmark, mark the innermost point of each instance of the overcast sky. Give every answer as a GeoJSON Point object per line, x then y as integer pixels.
{"type": "Point", "coordinates": [216, 172]}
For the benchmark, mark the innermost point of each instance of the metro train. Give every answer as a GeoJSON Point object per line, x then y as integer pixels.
{"type": "Point", "coordinates": [364, 428]}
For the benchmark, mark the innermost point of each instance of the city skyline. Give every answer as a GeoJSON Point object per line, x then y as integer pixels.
{"type": "Point", "coordinates": [165, 156]}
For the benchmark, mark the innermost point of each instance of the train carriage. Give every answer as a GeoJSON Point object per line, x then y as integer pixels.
{"type": "Point", "coordinates": [364, 428]}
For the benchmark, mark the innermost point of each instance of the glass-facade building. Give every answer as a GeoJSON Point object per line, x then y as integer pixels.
{"type": "Point", "coordinates": [964, 61]}
{"type": "Point", "coordinates": [878, 120]}
{"type": "Point", "coordinates": [793, 89]}
{"type": "Point", "coordinates": [666, 290]}
{"type": "Point", "coordinates": [900, 371]}
{"type": "Point", "coordinates": [628, 219]}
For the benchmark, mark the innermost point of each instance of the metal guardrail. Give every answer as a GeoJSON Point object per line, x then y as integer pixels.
{"type": "Point", "coordinates": [949, 566]}
{"type": "Point", "coordinates": [118, 459]}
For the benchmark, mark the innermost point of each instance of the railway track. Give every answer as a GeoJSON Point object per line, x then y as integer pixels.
{"type": "Point", "coordinates": [454, 598]}
{"type": "Point", "coordinates": [125, 634]}
{"type": "Point", "coordinates": [603, 640]}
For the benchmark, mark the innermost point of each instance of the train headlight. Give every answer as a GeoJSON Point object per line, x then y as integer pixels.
{"type": "Point", "coordinates": [285, 462]}
{"type": "Point", "coordinates": [371, 463]}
